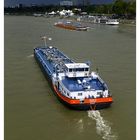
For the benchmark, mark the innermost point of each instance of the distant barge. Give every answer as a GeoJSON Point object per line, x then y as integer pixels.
{"type": "Point", "coordinates": [72, 82]}
{"type": "Point", "coordinates": [71, 26]}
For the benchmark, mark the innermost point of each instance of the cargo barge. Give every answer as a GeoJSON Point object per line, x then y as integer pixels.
{"type": "Point", "coordinates": [71, 26]}
{"type": "Point", "coordinates": [72, 82]}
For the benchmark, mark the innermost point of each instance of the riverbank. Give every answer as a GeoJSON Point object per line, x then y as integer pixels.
{"type": "Point", "coordinates": [128, 22]}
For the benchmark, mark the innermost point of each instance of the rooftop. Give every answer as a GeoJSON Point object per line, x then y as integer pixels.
{"type": "Point", "coordinates": [77, 65]}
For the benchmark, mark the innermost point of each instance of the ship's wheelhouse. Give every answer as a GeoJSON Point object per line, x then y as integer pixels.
{"type": "Point", "coordinates": [77, 70]}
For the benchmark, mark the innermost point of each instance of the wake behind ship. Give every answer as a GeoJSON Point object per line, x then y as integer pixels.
{"type": "Point", "coordinates": [72, 82]}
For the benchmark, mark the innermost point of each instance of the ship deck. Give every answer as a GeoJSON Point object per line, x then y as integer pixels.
{"type": "Point", "coordinates": [52, 57]}
{"type": "Point", "coordinates": [72, 84]}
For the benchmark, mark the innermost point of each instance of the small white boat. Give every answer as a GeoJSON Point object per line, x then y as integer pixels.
{"type": "Point", "coordinates": [108, 21]}
{"type": "Point", "coordinates": [112, 22]}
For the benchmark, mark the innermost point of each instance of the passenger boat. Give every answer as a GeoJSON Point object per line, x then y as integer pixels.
{"type": "Point", "coordinates": [71, 26]}
{"type": "Point", "coordinates": [112, 22]}
{"type": "Point", "coordinates": [72, 82]}
{"type": "Point", "coordinates": [109, 21]}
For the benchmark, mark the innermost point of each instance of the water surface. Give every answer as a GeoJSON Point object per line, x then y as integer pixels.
{"type": "Point", "coordinates": [32, 112]}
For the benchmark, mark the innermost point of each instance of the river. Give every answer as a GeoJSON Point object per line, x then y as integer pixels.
{"type": "Point", "coordinates": [31, 110]}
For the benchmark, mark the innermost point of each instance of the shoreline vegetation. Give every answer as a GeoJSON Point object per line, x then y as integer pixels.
{"type": "Point", "coordinates": [124, 11]}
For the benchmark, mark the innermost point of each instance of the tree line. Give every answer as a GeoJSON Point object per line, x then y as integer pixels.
{"type": "Point", "coordinates": [120, 8]}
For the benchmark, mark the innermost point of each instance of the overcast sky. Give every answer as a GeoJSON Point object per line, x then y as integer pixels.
{"type": "Point", "coordinates": [28, 2]}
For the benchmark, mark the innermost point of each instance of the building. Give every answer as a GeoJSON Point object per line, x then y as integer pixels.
{"type": "Point", "coordinates": [86, 2]}
{"type": "Point", "coordinates": [75, 2]}
{"type": "Point", "coordinates": [20, 5]}
{"type": "Point", "coordinates": [66, 3]}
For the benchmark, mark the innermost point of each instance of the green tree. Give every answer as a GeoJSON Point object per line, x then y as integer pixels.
{"type": "Point", "coordinates": [120, 7]}
{"type": "Point", "coordinates": [132, 8]}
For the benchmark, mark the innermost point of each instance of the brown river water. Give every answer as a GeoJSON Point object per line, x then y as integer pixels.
{"type": "Point", "coordinates": [32, 112]}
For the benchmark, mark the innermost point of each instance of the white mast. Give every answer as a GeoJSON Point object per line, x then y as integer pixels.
{"type": "Point", "coordinates": [45, 38]}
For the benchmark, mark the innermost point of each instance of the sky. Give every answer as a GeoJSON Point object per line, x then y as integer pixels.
{"type": "Point", "coordinates": [47, 2]}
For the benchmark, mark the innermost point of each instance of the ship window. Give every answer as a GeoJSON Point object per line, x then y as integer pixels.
{"type": "Point", "coordinates": [80, 69]}
{"type": "Point", "coordinates": [79, 94]}
{"type": "Point", "coordinates": [68, 94]}
{"type": "Point", "coordinates": [70, 70]}
{"type": "Point", "coordinates": [98, 93]}
{"type": "Point", "coordinates": [74, 70]}
{"type": "Point", "coordinates": [86, 69]}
